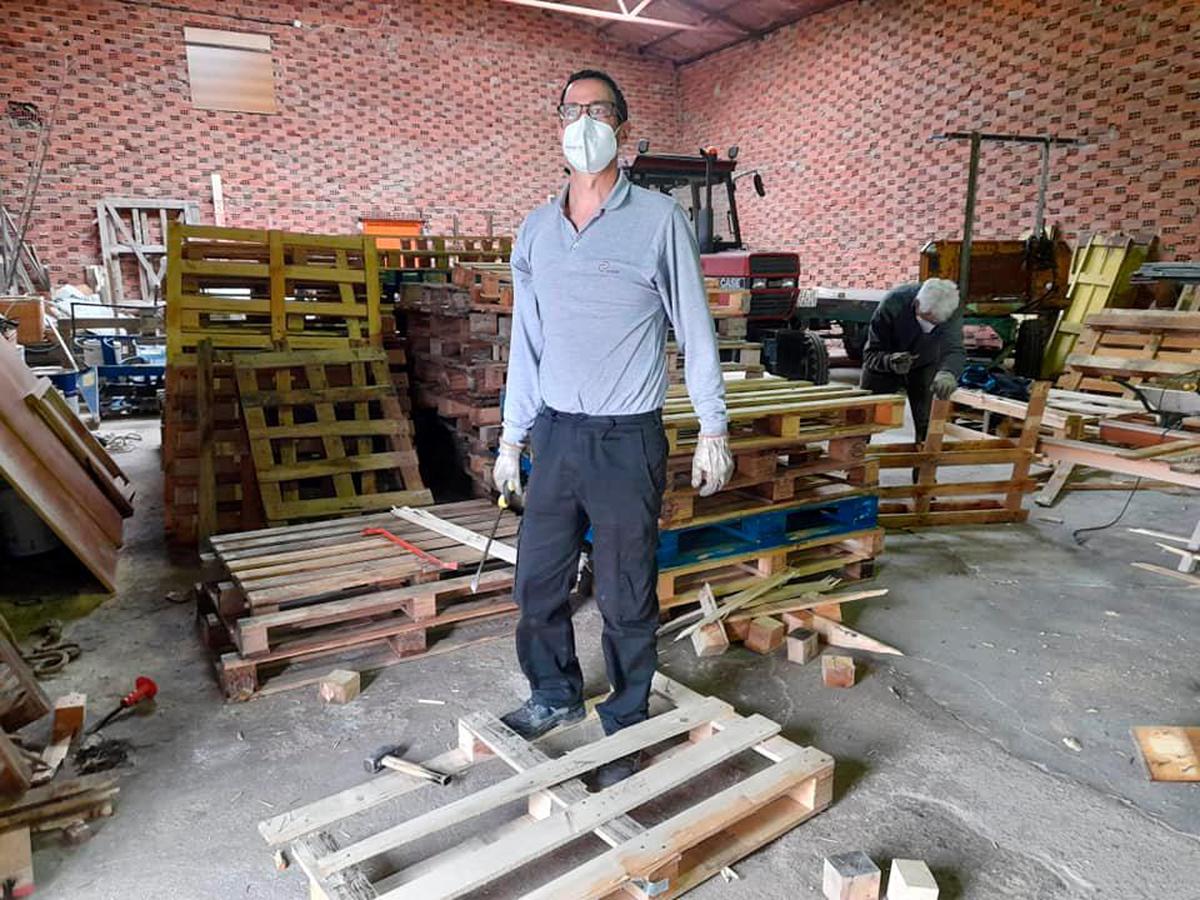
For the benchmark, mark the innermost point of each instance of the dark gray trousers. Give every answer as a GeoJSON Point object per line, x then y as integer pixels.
{"type": "Point", "coordinates": [608, 471]}
{"type": "Point", "coordinates": [918, 384]}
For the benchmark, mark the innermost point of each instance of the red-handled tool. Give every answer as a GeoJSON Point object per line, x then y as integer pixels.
{"type": "Point", "coordinates": [411, 548]}
{"type": "Point", "coordinates": [143, 689]}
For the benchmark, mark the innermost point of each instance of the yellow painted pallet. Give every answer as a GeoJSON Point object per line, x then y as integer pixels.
{"type": "Point", "coordinates": [251, 289]}
{"type": "Point", "coordinates": [322, 450]}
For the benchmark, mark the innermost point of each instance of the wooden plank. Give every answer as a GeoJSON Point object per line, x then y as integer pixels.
{"type": "Point", "coordinates": [465, 536]}
{"type": "Point", "coordinates": [294, 823]}
{"type": "Point", "coordinates": [805, 774]}
{"type": "Point", "coordinates": [49, 479]}
{"type": "Point", "coordinates": [1107, 458]}
{"type": "Point", "coordinates": [571, 765]}
{"type": "Point", "coordinates": [526, 844]}
{"type": "Point", "coordinates": [206, 501]}
{"type": "Point", "coordinates": [1119, 365]}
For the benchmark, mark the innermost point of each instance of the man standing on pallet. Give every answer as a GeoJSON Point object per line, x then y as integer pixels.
{"type": "Point", "coordinates": [598, 275]}
{"type": "Point", "coordinates": [915, 345]}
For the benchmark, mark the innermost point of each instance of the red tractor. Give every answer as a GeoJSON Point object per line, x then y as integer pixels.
{"type": "Point", "coordinates": [771, 277]}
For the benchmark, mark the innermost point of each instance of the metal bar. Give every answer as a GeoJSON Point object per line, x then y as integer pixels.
{"type": "Point", "coordinates": [964, 260]}
{"type": "Point", "coordinates": [1040, 221]}
{"type": "Point", "coordinates": [603, 14]}
{"type": "Point", "coordinates": [1005, 138]}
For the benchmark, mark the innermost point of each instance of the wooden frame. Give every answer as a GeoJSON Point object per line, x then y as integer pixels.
{"type": "Point", "coordinates": [930, 502]}
{"type": "Point", "coordinates": [1134, 345]}
{"type": "Point", "coordinates": [137, 229]}
{"type": "Point", "coordinates": [664, 860]}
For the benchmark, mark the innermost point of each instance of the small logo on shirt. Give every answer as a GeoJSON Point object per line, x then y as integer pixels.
{"type": "Point", "coordinates": [607, 267]}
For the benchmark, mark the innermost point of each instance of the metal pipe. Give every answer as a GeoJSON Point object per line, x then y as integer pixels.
{"type": "Point", "coordinates": [1040, 221]}
{"type": "Point", "coordinates": [964, 259]}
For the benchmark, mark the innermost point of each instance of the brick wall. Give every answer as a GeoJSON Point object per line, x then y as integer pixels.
{"type": "Point", "coordinates": [837, 111]}
{"type": "Point", "coordinates": [441, 108]}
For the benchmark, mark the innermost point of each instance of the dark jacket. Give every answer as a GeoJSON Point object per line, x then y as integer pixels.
{"type": "Point", "coordinates": [894, 329]}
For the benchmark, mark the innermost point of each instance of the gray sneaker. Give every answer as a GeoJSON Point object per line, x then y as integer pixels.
{"type": "Point", "coordinates": [531, 719]}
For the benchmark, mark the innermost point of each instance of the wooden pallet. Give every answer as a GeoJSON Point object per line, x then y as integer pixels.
{"type": "Point", "coordinates": [300, 594]}
{"type": "Point", "coordinates": [321, 450]}
{"type": "Point", "coordinates": [697, 839]}
{"type": "Point", "coordinates": [428, 253]}
{"type": "Point", "coordinates": [929, 501]}
{"type": "Point", "coordinates": [1135, 346]}
{"type": "Point", "coordinates": [252, 289]}
{"type": "Point", "coordinates": [850, 556]}
{"type": "Point", "coordinates": [297, 565]}
{"type": "Point", "coordinates": [762, 479]}
{"type": "Point", "coordinates": [774, 413]}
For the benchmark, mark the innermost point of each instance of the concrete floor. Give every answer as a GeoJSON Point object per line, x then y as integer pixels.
{"type": "Point", "coordinates": [1016, 637]}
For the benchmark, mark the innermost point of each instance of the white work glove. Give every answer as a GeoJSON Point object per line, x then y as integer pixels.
{"type": "Point", "coordinates": [944, 384]}
{"type": "Point", "coordinates": [712, 464]}
{"type": "Point", "coordinates": [507, 469]}
{"type": "Point", "coordinates": [901, 363]}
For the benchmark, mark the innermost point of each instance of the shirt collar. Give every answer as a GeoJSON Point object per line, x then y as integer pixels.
{"type": "Point", "coordinates": [614, 199]}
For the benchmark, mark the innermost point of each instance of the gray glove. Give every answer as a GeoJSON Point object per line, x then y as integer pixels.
{"type": "Point", "coordinates": [944, 384]}
{"type": "Point", "coordinates": [900, 363]}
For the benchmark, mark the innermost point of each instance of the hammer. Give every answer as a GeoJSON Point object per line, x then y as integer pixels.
{"type": "Point", "coordinates": [389, 758]}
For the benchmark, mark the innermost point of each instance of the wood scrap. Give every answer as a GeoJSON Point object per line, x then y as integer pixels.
{"type": "Point", "coordinates": [1170, 753]}
{"type": "Point", "coordinates": [837, 671]}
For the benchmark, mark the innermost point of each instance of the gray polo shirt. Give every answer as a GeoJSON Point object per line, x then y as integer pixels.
{"type": "Point", "coordinates": [591, 311]}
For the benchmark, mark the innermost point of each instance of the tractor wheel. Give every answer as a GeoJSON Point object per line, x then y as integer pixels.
{"type": "Point", "coordinates": [801, 355]}
{"type": "Point", "coordinates": [1031, 347]}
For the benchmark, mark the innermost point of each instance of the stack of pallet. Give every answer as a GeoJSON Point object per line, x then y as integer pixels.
{"type": "Point", "coordinates": [458, 338]}
{"type": "Point", "coordinates": [233, 438]}
{"type": "Point", "coordinates": [803, 496]}
{"type": "Point", "coordinates": [368, 591]}
{"type": "Point", "coordinates": [729, 309]}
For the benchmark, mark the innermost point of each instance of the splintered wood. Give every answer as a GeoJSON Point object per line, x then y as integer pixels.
{"type": "Point", "coordinates": [665, 858]}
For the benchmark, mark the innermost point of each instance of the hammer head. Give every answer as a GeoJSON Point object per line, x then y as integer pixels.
{"type": "Point", "coordinates": [374, 763]}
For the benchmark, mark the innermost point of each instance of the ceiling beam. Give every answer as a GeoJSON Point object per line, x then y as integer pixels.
{"type": "Point", "coordinates": [710, 16]}
{"type": "Point", "coordinates": [754, 36]}
{"type": "Point", "coordinates": [633, 18]}
{"type": "Point", "coordinates": [718, 15]}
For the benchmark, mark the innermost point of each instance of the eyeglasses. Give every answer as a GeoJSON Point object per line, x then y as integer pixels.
{"type": "Point", "coordinates": [601, 109]}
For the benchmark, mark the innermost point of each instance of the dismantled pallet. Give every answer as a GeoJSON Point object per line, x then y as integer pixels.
{"type": "Point", "coordinates": [321, 450]}
{"type": "Point", "coordinates": [664, 859]}
{"type": "Point", "coordinates": [1133, 346]}
{"type": "Point", "coordinates": [929, 501]}
{"type": "Point", "coordinates": [767, 413]}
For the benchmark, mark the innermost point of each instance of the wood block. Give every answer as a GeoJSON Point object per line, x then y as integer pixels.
{"type": "Point", "coordinates": [16, 862]}
{"type": "Point", "coordinates": [737, 631]}
{"type": "Point", "coordinates": [851, 876]}
{"type": "Point", "coordinates": [910, 879]}
{"type": "Point", "coordinates": [1170, 753]}
{"type": "Point", "coordinates": [797, 619]}
{"type": "Point", "coordinates": [802, 646]}
{"type": "Point", "coordinates": [340, 686]}
{"type": "Point", "coordinates": [837, 671]}
{"type": "Point", "coordinates": [766, 635]}
{"type": "Point", "coordinates": [711, 640]}
{"type": "Point", "coordinates": [69, 712]}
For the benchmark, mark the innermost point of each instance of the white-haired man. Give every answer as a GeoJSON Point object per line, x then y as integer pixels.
{"type": "Point", "coordinates": [915, 345]}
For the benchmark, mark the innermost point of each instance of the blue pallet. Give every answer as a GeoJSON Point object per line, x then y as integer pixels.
{"type": "Point", "coordinates": [763, 531]}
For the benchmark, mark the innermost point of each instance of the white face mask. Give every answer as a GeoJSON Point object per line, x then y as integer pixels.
{"type": "Point", "coordinates": [589, 145]}
{"type": "Point", "coordinates": [926, 325]}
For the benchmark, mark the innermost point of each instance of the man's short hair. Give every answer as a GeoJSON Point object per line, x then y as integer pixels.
{"type": "Point", "coordinates": [584, 75]}
{"type": "Point", "coordinates": [938, 297]}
